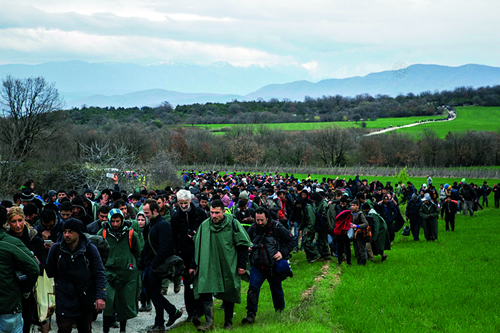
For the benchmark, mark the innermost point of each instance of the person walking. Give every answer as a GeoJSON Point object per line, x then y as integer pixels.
{"type": "Point", "coordinates": [80, 280]}
{"type": "Point", "coordinates": [220, 258]}
{"type": "Point", "coordinates": [14, 256]}
{"type": "Point", "coordinates": [429, 213]}
{"type": "Point", "coordinates": [271, 243]}
{"type": "Point", "coordinates": [121, 270]}
{"type": "Point", "coordinates": [158, 247]}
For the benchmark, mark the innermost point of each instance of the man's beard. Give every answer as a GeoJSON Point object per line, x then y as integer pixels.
{"type": "Point", "coordinates": [185, 210]}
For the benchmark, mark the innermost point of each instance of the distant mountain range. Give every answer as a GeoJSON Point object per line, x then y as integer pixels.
{"type": "Point", "coordinates": [129, 85]}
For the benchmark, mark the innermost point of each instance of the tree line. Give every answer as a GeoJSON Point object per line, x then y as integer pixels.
{"type": "Point", "coordinates": [38, 142]}
{"type": "Point", "coordinates": [323, 109]}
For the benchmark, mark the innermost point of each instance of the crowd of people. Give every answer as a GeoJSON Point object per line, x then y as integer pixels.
{"type": "Point", "coordinates": [106, 251]}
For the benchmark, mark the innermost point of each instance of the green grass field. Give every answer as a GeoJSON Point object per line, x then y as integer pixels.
{"type": "Point", "coordinates": [472, 117]}
{"type": "Point", "coordinates": [379, 123]}
{"type": "Point", "coordinates": [468, 118]}
{"type": "Point", "coordinates": [443, 286]}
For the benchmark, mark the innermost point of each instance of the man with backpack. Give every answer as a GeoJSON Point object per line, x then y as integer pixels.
{"type": "Point", "coordinates": [468, 196]}
{"type": "Point", "coordinates": [320, 207]}
{"type": "Point", "coordinates": [80, 281]}
{"type": "Point", "coordinates": [271, 243]}
{"type": "Point", "coordinates": [361, 225]}
{"type": "Point", "coordinates": [158, 246]}
{"type": "Point", "coordinates": [121, 270]}
{"type": "Point", "coordinates": [306, 224]}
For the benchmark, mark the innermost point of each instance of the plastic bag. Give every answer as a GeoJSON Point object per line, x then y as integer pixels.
{"type": "Point", "coordinates": [45, 297]}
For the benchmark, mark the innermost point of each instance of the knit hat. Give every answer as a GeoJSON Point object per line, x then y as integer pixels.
{"type": "Point", "coordinates": [73, 224]}
{"type": "Point", "coordinates": [113, 212]}
{"type": "Point", "coordinates": [26, 196]}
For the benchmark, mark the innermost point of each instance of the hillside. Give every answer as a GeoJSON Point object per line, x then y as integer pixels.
{"type": "Point", "coordinates": [416, 79]}
{"type": "Point", "coordinates": [126, 85]}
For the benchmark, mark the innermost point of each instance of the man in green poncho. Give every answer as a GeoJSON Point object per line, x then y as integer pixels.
{"type": "Point", "coordinates": [221, 253]}
{"type": "Point", "coordinates": [121, 270]}
{"type": "Point", "coordinates": [380, 235]}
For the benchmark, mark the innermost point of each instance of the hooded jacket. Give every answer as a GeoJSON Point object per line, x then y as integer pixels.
{"type": "Point", "coordinates": [14, 256]}
{"type": "Point", "coordinates": [413, 208]}
{"type": "Point", "coordinates": [78, 202]}
{"type": "Point", "coordinates": [121, 271]}
{"type": "Point", "coordinates": [73, 271]}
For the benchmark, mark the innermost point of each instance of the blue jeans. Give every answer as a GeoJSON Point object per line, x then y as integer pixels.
{"type": "Point", "coordinates": [152, 284]}
{"type": "Point", "coordinates": [257, 278]}
{"type": "Point", "coordinates": [11, 323]}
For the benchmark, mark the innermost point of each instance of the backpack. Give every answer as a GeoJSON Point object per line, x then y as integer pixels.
{"type": "Point", "coordinates": [321, 224]}
{"type": "Point", "coordinates": [130, 237]}
{"type": "Point", "coordinates": [365, 234]}
{"type": "Point", "coordinates": [102, 246]}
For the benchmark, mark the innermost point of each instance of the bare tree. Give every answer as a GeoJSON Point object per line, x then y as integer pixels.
{"type": "Point", "coordinates": [26, 106]}
{"type": "Point", "coordinates": [333, 144]}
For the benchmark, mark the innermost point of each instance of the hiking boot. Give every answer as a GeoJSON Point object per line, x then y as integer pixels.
{"type": "Point", "coordinates": [315, 259]}
{"type": "Point", "coordinates": [326, 258]}
{"type": "Point", "coordinates": [249, 319]}
{"type": "Point", "coordinates": [177, 288]}
{"type": "Point", "coordinates": [156, 329]}
{"type": "Point", "coordinates": [196, 319]}
{"type": "Point", "coordinates": [149, 307]}
{"type": "Point", "coordinates": [228, 326]}
{"type": "Point", "coordinates": [295, 250]}
{"type": "Point", "coordinates": [384, 258]}
{"type": "Point", "coordinates": [142, 308]}
{"type": "Point", "coordinates": [208, 311]}
{"type": "Point", "coordinates": [174, 317]}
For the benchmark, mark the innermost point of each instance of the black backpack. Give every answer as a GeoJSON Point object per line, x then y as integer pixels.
{"type": "Point", "coordinates": [321, 224]}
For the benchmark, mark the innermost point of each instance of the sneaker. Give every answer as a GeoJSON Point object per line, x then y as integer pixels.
{"type": "Point", "coordinates": [172, 319]}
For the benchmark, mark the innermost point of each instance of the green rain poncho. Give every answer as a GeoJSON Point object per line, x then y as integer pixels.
{"type": "Point", "coordinates": [216, 258]}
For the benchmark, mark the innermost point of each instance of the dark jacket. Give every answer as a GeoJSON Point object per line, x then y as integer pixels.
{"type": "Point", "coordinates": [14, 256]}
{"type": "Point", "coordinates": [449, 208]}
{"type": "Point", "coordinates": [413, 208]}
{"type": "Point", "coordinates": [56, 231]}
{"type": "Point", "coordinates": [267, 241]}
{"type": "Point", "coordinates": [34, 243]}
{"type": "Point", "coordinates": [185, 224]}
{"type": "Point", "coordinates": [388, 212]}
{"type": "Point", "coordinates": [94, 227]}
{"type": "Point", "coordinates": [160, 229]}
{"type": "Point", "coordinates": [74, 272]}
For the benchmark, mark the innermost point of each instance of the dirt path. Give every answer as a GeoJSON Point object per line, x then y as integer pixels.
{"type": "Point", "coordinates": [143, 319]}
{"type": "Point", "coordinates": [454, 115]}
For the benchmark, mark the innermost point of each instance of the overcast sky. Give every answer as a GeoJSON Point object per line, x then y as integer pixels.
{"type": "Point", "coordinates": [330, 38]}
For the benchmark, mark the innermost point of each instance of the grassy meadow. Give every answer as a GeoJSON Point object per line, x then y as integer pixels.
{"type": "Point", "coordinates": [443, 286]}
{"type": "Point", "coordinates": [471, 117]}
{"type": "Point", "coordinates": [468, 118]}
{"type": "Point", "coordinates": [377, 124]}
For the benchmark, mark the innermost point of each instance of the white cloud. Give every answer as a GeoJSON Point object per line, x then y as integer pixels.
{"type": "Point", "coordinates": [327, 37]}
{"type": "Point", "coordinates": [126, 48]}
